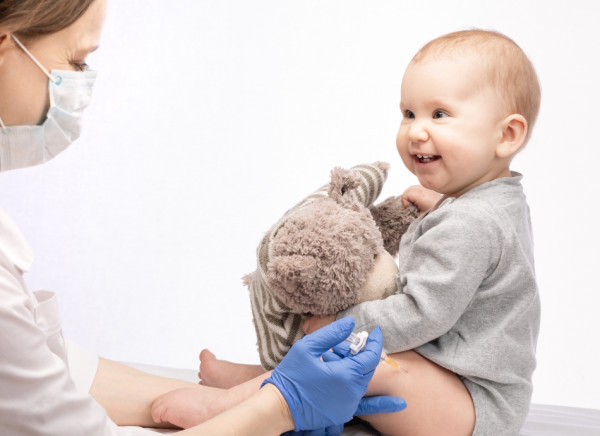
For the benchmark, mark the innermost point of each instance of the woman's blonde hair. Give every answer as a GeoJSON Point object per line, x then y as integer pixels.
{"type": "Point", "coordinates": [508, 70]}
{"type": "Point", "coordinates": [33, 18]}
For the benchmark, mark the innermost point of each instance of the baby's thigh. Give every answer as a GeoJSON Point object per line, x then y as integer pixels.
{"type": "Point", "coordinates": [437, 401]}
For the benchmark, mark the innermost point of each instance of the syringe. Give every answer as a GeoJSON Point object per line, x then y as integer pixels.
{"type": "Point", "coordinates": [358, 342]}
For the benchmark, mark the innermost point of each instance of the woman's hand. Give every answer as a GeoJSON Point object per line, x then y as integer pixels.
{"type": "Point", "coordinates": [424, 199]}
{"type": "Point", "coordinates": [323, 394]}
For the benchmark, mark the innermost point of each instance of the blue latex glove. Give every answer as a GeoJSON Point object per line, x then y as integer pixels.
{"type": "Point", "coordinates": [334, 430]}
{"type": "Point", "coordinates": [367, 405]}
{"type": "Point", "coordinates": [323, 394]}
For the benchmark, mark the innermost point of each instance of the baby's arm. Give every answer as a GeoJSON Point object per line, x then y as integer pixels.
{"type": "Point", "coordinates": [441, 267]}
{"type": "Point", "coordinates": [424, 199]}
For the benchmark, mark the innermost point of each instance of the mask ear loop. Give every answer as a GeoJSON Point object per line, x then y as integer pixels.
{"type": "Point", "coordinates": [55, 80]}
{"type": "Point", "coordinates": [3, 127]}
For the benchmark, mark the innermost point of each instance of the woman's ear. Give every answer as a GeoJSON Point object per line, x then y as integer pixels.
{"type": "Point", "coordinates": [514, 131]}
{"type": "Point", "coordinates": [4, 36]}
{"type": "Point", "coordinates": [4, 43]}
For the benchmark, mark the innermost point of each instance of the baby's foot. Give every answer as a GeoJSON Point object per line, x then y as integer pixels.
{"type": "Point", "coordinates": [224, 374]}
{"type": "Point", "coordinates": [187, 407]}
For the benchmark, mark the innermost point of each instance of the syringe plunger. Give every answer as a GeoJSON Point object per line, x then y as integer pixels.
{"type": "Point", "coordinates": [358, 342]}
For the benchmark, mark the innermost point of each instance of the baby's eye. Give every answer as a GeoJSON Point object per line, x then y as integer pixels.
{"type": "Point", "coordinates": [408, 114]}
{"type": "Point", "coordinates": [439, 114]}
{"type": "Point", "coordinates": [80, 66]}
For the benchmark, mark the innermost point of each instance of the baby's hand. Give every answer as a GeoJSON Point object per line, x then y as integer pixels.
{"type": "Point", "coordinates": [313, 323]}
{"type": "Point", "coordinates": [421, 197]}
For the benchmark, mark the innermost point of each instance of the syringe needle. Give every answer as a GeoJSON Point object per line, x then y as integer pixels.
{"type": "Point", "coordinates": [358, 342]}
{"type": "Point", "coordinates": [385, 358]}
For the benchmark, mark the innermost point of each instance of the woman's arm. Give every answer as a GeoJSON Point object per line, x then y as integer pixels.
{"type": "Point", "coordinates": [265, 413]}
{"type": "Point", "coordinates": [127, 393]}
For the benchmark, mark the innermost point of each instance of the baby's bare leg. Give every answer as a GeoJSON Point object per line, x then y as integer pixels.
{"type": "Point", "coordinates": [437, 401]}
{"type": "Point", "coordinates": [223, 374]}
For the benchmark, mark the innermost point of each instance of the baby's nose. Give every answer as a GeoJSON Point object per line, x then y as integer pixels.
{"type": "Point", "coordinates": [418, 131]}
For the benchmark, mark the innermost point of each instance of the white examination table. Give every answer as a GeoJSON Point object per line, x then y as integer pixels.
{"type": "Point", "coordinates": [542, 420]}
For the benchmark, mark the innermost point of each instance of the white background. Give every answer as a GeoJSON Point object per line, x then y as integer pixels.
{"type": "Point", "coordinates": [211, 118]}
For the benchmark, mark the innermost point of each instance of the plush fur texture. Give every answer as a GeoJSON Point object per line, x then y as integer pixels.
{"type": "Point", "coordinates": [324, 252]}
{"type": "Point", "coordinates": [320, 257]}
{"type": "Point", "coordinates": [393, 219]}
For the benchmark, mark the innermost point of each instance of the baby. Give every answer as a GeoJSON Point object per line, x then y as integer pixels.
{"type": "Point", "coordinates": [464, 321]}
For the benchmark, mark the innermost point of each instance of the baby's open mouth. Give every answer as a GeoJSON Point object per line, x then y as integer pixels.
{"type": "Point", "coordinates": [426, 158]}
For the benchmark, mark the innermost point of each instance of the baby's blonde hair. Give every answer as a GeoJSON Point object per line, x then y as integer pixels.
{"type": "Point", "coordinates": [508, 70]}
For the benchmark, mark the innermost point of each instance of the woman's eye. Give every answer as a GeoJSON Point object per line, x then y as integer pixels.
{"type": "Point", "coordinates": [439, 114]}
{"type": "Point", "coordinates": [80, 66]}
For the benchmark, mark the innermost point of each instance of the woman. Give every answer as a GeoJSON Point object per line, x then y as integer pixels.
{"type": "Point", "coordinates": [49, 387]}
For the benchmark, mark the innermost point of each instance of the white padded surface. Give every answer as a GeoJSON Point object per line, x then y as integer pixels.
{"type": "Point", "coordinates": [561, 421]}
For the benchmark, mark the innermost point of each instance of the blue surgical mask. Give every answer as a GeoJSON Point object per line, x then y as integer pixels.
{"type": "Point", "coordinates": [70, 93]}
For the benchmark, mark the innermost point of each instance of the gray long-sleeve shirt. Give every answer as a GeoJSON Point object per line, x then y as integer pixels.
{"type": "Point", "coordinates": [467, 299]}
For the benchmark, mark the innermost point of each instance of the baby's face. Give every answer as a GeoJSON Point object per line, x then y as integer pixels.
{"type": "Point", "coordinates": [451, 125]}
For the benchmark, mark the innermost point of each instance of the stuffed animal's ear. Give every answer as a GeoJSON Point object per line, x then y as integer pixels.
{"type": "Point", "coordinates": [286, 273]}
{"type": "Point", "coordinates": [342, 182]}
{"type": "Point", "coordinates": [361, 184]}
{"type": "Point", "coordinates": [393, 220]}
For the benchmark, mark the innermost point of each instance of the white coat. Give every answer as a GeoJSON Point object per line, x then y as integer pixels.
{"type": "Point", "coordinates": [44, 382]}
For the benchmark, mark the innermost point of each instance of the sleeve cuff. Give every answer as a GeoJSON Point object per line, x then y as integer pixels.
{"type": "Point", "coordinates": [83, 366]}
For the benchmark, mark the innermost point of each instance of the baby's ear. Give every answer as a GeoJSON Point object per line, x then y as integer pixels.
{"type": "Point", "coordinates": [514, 131]}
